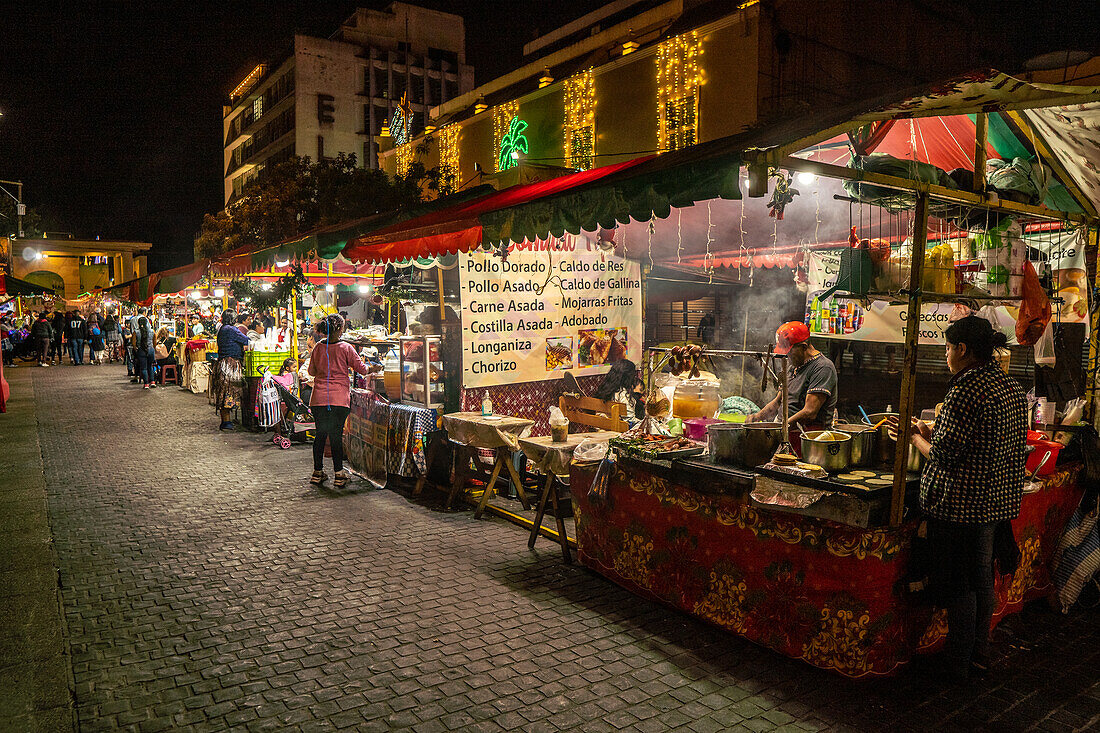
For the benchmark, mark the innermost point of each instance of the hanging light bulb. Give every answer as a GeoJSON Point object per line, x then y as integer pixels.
{"type": "Point", "coordinates": [282, 263]}
{"type": "Point", "coordinates": [330, 288]}
{"type": "Point", "coordinates": [219, 293]}
{"type": "Point", "coordinates": [195, 295]}
{"type": "Point", "coordinates": [364, 289]}
{"type": "Point", "coordinates": [806, 178]}
{"type": "Point", "coordinates": [266, 286]}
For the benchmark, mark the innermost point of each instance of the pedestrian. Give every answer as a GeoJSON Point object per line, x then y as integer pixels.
{"type": "Point", "coordinates": [165, 348]}
{"type": "Point", "coordinates": [97, 344]}
{"type": "Point", "coordinates": [57, 343]}
{"type": "Point", "coordinates": [42, 333]}
{"type": "Point", "coordinates": [330, 402]}
{"type": "Point", "coordinates": [972, 482]}
{"type": "Point", "coordinates": [76, 331]}
{"type": "Point", "coordinates": [113, 336]}
{"type": "Point", "coordinates": [7, 345]}
{"type": "Point", "coordinates": [142, 342]}
{"type": "Point", "coordinates": [229, 371]}
{"type": "Point", "coordinates": [128, 351]}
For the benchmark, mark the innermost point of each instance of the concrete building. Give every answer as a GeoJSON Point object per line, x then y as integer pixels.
{"type": "Point", "coordinates": [75, 266]}
{"type": "Point", "coordinates": [321, 97]}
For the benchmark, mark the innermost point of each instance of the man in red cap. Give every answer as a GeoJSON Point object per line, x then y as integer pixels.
{"type": "Point", "coordinates": [811, 387]}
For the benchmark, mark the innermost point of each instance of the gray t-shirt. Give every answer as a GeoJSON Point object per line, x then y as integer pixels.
{"type": "Point", "coordinates": [817, 375]}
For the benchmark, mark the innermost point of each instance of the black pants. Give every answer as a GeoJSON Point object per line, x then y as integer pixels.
{"type": "Point", "coordinates": [962, 577]}
{"type": "Point", "coordinates": [330, 421]}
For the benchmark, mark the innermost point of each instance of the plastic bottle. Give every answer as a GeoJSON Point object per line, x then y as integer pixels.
{"type": "Point", "coordinates": [486, 405]}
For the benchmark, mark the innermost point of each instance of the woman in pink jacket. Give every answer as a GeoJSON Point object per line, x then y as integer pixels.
{"type": "Point", "coordinates": [329, 364]}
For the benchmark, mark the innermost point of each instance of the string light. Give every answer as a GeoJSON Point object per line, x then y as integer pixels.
{"type": "Point", "coordinates": [403, 159]}
{"type": "Point", "coordinates": [502, 120]}
{"type": "Point", "coordinates": [678, 79]}
{"type": "Point", "coordinates": [448, 158]}
{"type": "Point", "coordinates": [580, 120]}
{"type": "Point", "coordinates": [679, 236]}
{"type": "Point", "coordinates": [708, 258]}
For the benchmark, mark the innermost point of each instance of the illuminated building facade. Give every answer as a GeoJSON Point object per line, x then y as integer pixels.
{"type": "Point", "coordinates": [325, 96]}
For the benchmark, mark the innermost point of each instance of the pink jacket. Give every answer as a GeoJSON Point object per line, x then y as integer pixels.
{"type": "Point", "coordinates": [329, 365]}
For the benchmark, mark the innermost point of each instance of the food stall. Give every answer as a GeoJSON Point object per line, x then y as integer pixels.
{"type": "Point", "coordinates": [809, 560]}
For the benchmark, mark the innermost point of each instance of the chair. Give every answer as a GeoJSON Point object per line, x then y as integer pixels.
{"type": "Point", "coordinates": [593, 413]}
{"type": "Point", "coordinates": [168, 371]}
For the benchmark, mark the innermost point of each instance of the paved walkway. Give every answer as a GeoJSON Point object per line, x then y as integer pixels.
{"type": "Point", "coordinates": [207, 587]}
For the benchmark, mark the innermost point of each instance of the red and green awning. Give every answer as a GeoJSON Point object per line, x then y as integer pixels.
{"type": "Point", "coordinates": [143, 289]}
{"type": "Point", "coordinates": [635, 189]}
{"type": "Point", "coordinates": [13, 286]}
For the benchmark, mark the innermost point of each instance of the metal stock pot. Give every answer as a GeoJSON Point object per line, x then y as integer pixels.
{"type": "Point", "coordinates": [830, 449]}
{"type": "Point", "coordinates": [744, 444]}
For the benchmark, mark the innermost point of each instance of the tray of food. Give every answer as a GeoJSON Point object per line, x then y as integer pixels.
{"type": "Point", "coordinates": [661, 447]}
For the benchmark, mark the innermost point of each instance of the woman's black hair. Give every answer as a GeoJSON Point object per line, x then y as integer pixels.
{"type": "Point", "coordinates": [227, 318]}
{"type": "Point", "coordinates": [329, 325]}
{"type": "Point", "coordinates": [143, 328]}
{"type": "Point", "coordinates": [623, 375]}
{"type": "Point", "coordinates": [979, 336]}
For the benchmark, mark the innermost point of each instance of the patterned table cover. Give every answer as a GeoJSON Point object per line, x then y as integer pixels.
{"type": "Point", "coordinates": [550, 457]}
{"type": "Point", "coordinates": [497, 431]}
{"type": "Point", "coordinates": [825, 593]}
{"type": "Point", "coordinates": [383, 438]}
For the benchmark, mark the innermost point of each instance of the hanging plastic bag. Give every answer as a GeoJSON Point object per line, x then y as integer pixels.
{"type": "Point", "coordinates": [1034, 309]}
{"type": "Point", "coordinates": [1044, 347]}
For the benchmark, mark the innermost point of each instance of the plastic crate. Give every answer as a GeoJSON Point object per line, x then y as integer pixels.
{"type": "Point", "coordinates": [255, 361]}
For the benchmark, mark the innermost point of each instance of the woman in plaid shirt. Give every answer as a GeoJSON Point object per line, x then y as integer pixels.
{"type": "Point", "coordinates": [973, 481]}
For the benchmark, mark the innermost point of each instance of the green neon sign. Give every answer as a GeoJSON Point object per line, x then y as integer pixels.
{"type": "Point", "coordinates": [512, 145]}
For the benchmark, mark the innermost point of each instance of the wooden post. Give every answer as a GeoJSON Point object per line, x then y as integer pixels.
{"type": "Point", "coordinates": [439, 281]}
{"type": "Point", "coordinates": [294, 327]}
{"type": "Point", "coordinates": [909, 364]}
{"type": "Point", "coordinates": [1091, 412]}
{"type": "Point", "coordinates": [981, 134]}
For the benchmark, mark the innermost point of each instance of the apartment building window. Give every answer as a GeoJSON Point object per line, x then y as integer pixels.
{"type": "Point", "coordinates": [679, 78]}
{"type": "Point", "coordinates": [320, 147]}
{"type": "Point", "coordinates": [440, 56]}
{"type": "Point", "coordinates": [450, 89]}
{"type": "Point", "coordinates": [435, 90]}
{"type": "Point", "coordinates": [381, 82]}
{"type": "Point", "coordinates": [258, 107]}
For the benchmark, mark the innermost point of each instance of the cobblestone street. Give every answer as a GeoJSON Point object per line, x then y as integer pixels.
{"type": "Point", "coordinates": [206, 586]}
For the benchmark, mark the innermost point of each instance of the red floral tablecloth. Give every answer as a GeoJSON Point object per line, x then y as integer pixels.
{"type": "Point", "coordinates": [811, 589]}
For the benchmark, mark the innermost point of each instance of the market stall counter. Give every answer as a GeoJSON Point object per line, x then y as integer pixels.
{"type": "Point", "coordinates": [386, 439]}
{"type": "Point", "coordinates": [695, 537]}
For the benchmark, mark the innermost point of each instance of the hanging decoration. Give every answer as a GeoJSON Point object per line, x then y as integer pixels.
{"type": "Point", "coordinates": [580, 120]}
{"type": "Point", "coordinates": [512, 145]}
{"type": "Point", "coordinates": [401, 121]}
{"type": "Point", "coordinates": [448, 158]}
{"type": "Point", "coordinates": [783, 194]}
{"type": "Point", "coordinates": [679, 77]}
{"type": "Point", "coordinates": [502, 121]}
{"type": "Point", "coordinates": [403, 156]}
{"type": "Point", "coordinates": [278, 294]}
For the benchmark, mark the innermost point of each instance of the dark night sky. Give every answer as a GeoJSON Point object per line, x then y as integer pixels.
{"type": "Point", "coordinates": [112, 111]}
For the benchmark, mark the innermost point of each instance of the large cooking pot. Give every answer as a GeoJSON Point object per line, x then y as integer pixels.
{"type": "Point", "coordinates": [830, 449]}
{"type": "Point", "coordinates": [744, 444]}
{"type": "Point", "coordinates": [864, 442]}
{"type": "Point", "coordinates": [887, 445]}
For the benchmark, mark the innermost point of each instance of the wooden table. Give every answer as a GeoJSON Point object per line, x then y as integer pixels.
{"type": "Point", "coordinates": [470, 431]}
{"type": "Point", "coordinates": [553, 459]}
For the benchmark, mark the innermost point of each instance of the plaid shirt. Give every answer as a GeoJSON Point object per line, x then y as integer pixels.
{"type": "Point", "coordinates": [975, 470]}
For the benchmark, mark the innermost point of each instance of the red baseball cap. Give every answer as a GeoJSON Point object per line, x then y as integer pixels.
{"type": "Point", "coordinates": [789, 334]}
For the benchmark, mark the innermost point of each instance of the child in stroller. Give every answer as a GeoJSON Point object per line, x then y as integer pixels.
{"type": "Point", "coordinates": [297, 420]}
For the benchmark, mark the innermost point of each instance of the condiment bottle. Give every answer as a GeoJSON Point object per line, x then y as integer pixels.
{"type": "Point", "coordinates": [486, 405]}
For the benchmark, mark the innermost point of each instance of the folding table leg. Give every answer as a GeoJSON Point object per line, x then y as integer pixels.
{"type": "Point", "coordinates": [462, 469]}
{"type": "Point", "coordinates": [561, 529]}
{"type": "Point", "coordinates": [489, 488]}
{"type": "Point", "coordinates": [516, 481]}
{"type": "Point", "coordinates": [429, 459]}
{"type": "Point", "coordinates": [541, 510]}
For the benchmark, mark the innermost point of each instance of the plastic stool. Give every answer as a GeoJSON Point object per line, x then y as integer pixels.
{"type": "Point", "coordinates": [165, 371]}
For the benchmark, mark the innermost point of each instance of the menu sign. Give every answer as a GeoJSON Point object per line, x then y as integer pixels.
{"type": "Point", "coordinates": [548, 307]}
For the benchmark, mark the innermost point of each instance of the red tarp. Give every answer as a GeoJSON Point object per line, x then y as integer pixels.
{"type": "Point", "coordinates": [458, 228]}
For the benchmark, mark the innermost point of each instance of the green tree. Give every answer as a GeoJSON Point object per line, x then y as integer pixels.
{"type": "Point", "coordinates": [33, 223]}
{"type": "Point", "coordinates": [299, 195]}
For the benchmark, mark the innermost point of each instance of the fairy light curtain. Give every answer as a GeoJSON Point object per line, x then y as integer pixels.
{"type": "Point", "coordinates": [679, 77]}
{"type": "Point", "coordinates": [580, 120]}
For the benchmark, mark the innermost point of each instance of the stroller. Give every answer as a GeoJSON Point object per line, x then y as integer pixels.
{"type": "Point", "coordinates": [290, 416]}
